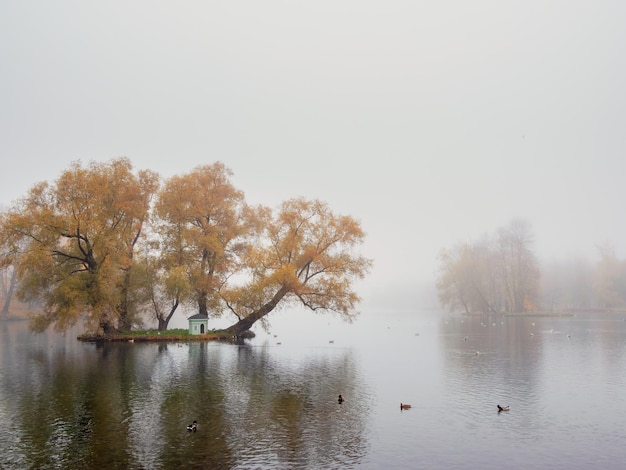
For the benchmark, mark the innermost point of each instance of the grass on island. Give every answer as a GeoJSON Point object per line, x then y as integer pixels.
{"type": "Point", "coordinates": [567, 312]}
{"type": "Point", "coordinates": [176, 334]}
{"type": "Point", "coordinates": [539, 314]}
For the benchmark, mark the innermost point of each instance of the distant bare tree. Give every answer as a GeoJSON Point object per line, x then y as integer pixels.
{"type": "Point", "coordinates": [518, 266]}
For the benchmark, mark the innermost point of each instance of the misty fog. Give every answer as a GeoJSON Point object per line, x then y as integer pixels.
{"type": "Point", "coordinates": [431, 123]}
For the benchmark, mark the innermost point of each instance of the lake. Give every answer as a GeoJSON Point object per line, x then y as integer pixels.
{"type": "Point", "coordinates": [272, 402]}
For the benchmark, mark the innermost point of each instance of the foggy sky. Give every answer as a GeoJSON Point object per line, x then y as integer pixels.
{"type": "Point", "coordinates": [430, 122]}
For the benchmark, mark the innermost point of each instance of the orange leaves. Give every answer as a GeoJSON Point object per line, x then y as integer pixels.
{"type": "Point", "coordinates": [83, 246]}
{"type": "Point", "coordinates": [204, 223]}
{"type": "Point", "coordinates": [308, 254]}
{"type": "Point", "coordinates": [78, 238]}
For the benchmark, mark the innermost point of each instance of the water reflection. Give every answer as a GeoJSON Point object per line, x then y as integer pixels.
{"type": "Point", "coordinates": [68, 405]}
{"type": "Point", "coordinates": [127, 405]}
{"type": "Point", "coordinates": [288, 412]}
{"type": "Point", "coordinates": [562, 377]}
{"type": "Point", "coordinates": [493, 360]}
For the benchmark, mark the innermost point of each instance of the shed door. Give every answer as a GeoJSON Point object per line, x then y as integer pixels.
{"type": "Point", "coordinates": [202, 328]}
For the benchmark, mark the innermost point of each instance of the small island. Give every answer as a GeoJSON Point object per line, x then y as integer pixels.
{"type": "Point", "coordinates": [173, 335]}
{"type": "Point", "coordinates": [115, 248]}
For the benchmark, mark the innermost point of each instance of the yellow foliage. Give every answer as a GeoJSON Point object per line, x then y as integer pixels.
{"type": "Point", "coordinates": [94, 243]}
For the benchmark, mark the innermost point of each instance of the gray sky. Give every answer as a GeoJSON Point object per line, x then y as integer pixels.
{"type": "Point", "coordinates": [430, 122]}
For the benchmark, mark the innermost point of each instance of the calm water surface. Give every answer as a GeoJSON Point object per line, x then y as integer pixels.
{"type": "Point", "coordinates": [66, 404]}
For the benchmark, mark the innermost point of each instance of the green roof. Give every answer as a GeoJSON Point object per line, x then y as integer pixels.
{"type": "Point", "coordinates": [198, 316]}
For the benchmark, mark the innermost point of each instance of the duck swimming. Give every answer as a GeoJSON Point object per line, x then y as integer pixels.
{"type": "Point", "coordinates": [503, 408]}
{"type": "Point", "coordinates": [405, 406]}
{"type": "Point", "coordinates": [193, 426]}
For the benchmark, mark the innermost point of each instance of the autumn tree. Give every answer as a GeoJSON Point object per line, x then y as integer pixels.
{"type": "Point", "coordinates": [76, 239]}
{"type": "Point", "coordinates": [203, 222]}
{"type": "Point", "coordinates": [466, 279]}
{"type": "Point", "coordinates": [495, 275]}
{"type": "Point", "coordinates": [303, 256]}
{"type": "Point", "coordinates": [92, 246]}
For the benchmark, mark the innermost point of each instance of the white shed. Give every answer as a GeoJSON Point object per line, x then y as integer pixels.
{"type": "Point", "coordinates": [198, 324]}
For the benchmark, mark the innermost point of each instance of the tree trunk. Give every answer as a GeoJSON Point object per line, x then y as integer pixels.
{"type": "Point", "coordinates": [106, 328]}
{"type": "Point", "coordinates": [203, 308]}
{"type": "Point", "coordinates": [244, 324]}
{"type": "Point", "coordinates": [164, 321]}
{"type": "Point", "coordinates": [124, 321]}
{"type": "Point", "coordinates": [9, 297]}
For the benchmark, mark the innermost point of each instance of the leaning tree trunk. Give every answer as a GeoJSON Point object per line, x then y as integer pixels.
{"type": "Point", "coordinates": [244, 324]}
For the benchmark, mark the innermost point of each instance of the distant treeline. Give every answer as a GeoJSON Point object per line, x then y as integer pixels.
{"type": "Point", "coordinates": [501, 274]}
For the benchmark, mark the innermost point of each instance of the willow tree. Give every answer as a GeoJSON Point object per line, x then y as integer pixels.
{"type": "Point", "coordinates": [75, 241]}
{"type": "Point", "coordinates": [305, 256]}
{"type": "Point", "coordinates": [203, 224]}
